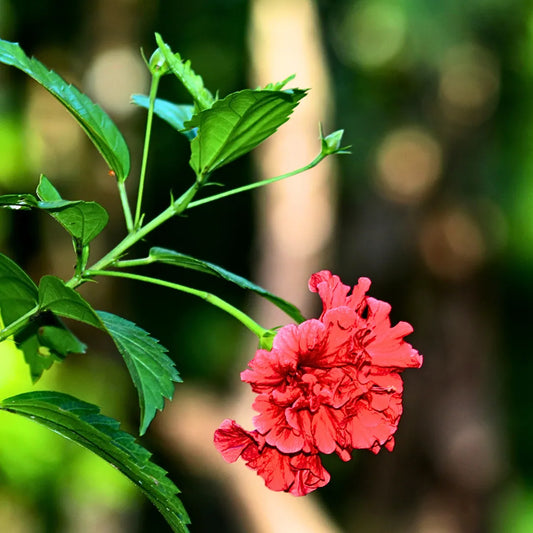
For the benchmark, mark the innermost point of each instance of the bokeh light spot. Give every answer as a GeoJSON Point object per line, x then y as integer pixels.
{"type": "Point", "coordinates": [112, 78]}
{"type": "Point", "coordinates": [371, 33]}
{"type": "Point", "coordinates": [409, 163]}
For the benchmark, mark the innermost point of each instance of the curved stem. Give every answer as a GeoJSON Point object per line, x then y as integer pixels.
{"type": "Point", "coordinates": [153, 91]}
{"type": "Point", "coordinates": [207, 296]}
{"type": "Point", "coordinates": [18, 324]}
{"type": "Point", "coordinates": [257, 184]}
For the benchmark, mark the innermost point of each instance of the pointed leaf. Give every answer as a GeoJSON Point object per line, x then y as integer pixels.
{"type": "Point", "coordinates": [94, 121]}
{"type": "Point", "coordinates": [83, 220]}
{"type": "Point", "coordinates": [183, 71]}
{"type": "Point", "coordinates": [174, 114]}
{"type": "Point", "coordinates": [82, 423]}
{"type": "Point", "coordinates": [277, 86]}
{"type": "Point", "coordinates": [55, 296]}
{"type": "Point", "coordinates": [45, 339]}
{"type": "Point", "coordinates": [171, 257]}
{"type": "Point", "coordinates": [238, 123]}
{"type": "Point", "coordinates": [152, 371]}
{"type": "Point", "coordinates": [18, 293]}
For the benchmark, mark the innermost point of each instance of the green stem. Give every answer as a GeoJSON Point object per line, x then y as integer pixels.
{"type": "Point", "coordinates": [125, 205]}
{"type": "Point", "coordinates": [207, 296]}
{"type": "Point", "coordinates": [257, 184]}
{"type": "Point", "coordinates": [18, 324]}
{"type": "Point", "coordinates": [153, 91]}
{"type": "Point", "coordinates": [129, 263]}
{"type": "Point", "coordinates": [176, 208]}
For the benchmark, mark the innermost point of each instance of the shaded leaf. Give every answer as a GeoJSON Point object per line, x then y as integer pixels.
{"type": "Point", "coordinates": [83, 220]}
{"type": "Point", "coordinates": [174, 114]}
{"type": "Point", "coordinates": [171, 257]}
{"type": "Point", "coordinates": [238, 123]}
{"type": "Point", "coordinates": [55, 296]}
{"type": "Point", "coordinates": [18, 293]}
{"type": "Point", "coordinates": [45, 339]}
{"type": "Point", "coordinates": [183, 71]}
{"type": "Point", "coordinates": [152, 371]}
{"type": "Point", "coordinates": [94, 121]}
{"type": "Point", "coordinates": [82, 423]}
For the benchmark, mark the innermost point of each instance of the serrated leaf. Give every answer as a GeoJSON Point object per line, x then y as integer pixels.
{"type": "Point", "coordinates": [277, 86]}
{"type": "Point", "coordinates": [173, 114]}
{"type": "Point", "coordinates": [94, 121]}
{"type": "Point", "coordinates": [236, 124]}
{"type": "Point", "coordinates": [183, 71]}
{"type": "Point", "coordinates": [55, 296]}
{"type": "Point", "coordinates": [83, 220]}
{"type": "Point", "coordinates": [152, 371]}
{"type": "Point", "coordinates": [171, 257]}
{"type": "Point", "coordinates": [45, 339]}
{"type": "Point", "coordinates": [82, 423]}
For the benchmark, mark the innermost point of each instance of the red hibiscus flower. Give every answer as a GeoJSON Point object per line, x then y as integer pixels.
{"type": "Point", "coordinates": [296, 473]}
{"type": "Point", "coordinates": [330, 384]}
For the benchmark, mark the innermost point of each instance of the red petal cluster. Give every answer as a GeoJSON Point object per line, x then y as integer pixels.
{"type": "Point", "coordinates": [328, 385]}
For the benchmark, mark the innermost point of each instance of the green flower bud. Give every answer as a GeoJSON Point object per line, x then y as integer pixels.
{"type": "Point", "coordinates": [158, 64]}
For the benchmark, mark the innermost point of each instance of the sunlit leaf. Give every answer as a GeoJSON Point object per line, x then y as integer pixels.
{"type": "Point", "coordinates": [171, 257]}
{"type": "Point", "coordinates": [82, 423]}
{"type": "Point", "coordinates": [174, 114]}
{"type": "Point", "coordinates": [183, 71]}
{"type": "Point", "coordinates": [238, 123]}
{"type": "Point", "coordinates": [94, 121]}
{"type": "Point", "coordinates": [152, 371]}
{"type": "Point", "coordinates": [83, 220]}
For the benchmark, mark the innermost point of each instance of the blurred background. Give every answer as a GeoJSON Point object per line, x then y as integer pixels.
{"type": "Point", "coordinates": [434, 205]}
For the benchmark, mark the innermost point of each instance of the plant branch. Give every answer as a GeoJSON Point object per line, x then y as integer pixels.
{"type": "Point", "coordinates": [153, 91]}
{"type": "Point", "coordinates": [207, 296]}
{"type": "Point", "coordinates": [257, 184]}
{"type": "Point", "coordinates": [125, 205]}
{"type": "Point", "coordinates": [18, 324]}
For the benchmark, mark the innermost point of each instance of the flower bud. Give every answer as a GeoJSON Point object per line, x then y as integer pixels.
{"type": "Point", "coordinates": [158, 64]}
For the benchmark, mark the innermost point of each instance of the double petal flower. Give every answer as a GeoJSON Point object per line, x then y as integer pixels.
{"type": "Point", "coordinates": [328, 385]}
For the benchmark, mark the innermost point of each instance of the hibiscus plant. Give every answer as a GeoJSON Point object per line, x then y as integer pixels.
{"type": "Point", "coordinates": [323, 385]}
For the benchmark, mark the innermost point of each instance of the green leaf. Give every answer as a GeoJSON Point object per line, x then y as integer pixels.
{"type": "Point", "coordinates": [277, 86]}
{"type": "Point", "coordinates": [18, 293]}
{"type": "Point", "coordinates": [331, 144]}
{"type": "Point", "coordinates": [83, 220]}
{"type": "Point", "coordinates": [45, 339]}
{"type": "Point", "coordinates": [18, 201]}
{"type": "Point", "coordinates": [152, 371]}
{"type": "Point", "coordinates": [55, 296]}
{"type": "Point", "coordinates": [163, 255]}
{"type": "Point", "coordinates": [183, 71]}
{"type": "Point", "coordinates": [238, 123]}
{"type": "Point", "coordinates": [174, 114]}
{"type": "Point", "coordinates": [94, 121]}
{"type": "Point", "coordinates": [82, 423]}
